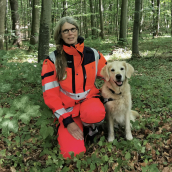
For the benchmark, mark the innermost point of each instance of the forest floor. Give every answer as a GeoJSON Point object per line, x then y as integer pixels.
{"type": "Point", "coordinates": [28, 140]}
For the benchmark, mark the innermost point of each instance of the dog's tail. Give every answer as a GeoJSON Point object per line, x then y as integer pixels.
{"type": "Point", "coordinates": [135, 113]}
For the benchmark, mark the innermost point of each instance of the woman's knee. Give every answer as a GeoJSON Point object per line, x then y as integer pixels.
{"type": "Point", "coordinates": [92, 111]}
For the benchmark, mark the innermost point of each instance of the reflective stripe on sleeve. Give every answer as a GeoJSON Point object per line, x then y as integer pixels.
{"type": "Point", "coordinates": [50, 85]}
{"type": "Point", "coordinates": [60, 112]}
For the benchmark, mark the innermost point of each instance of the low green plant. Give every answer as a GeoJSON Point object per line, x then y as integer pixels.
{"type": "Point", "coordinates": [28, 138]}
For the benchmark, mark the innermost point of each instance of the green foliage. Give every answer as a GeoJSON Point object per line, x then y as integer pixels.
{"type": "Point", "coordinates": [27, 129]}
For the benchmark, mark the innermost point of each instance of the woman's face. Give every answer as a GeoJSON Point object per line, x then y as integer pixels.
{"type": "Point", "coordinates": [69, 34]}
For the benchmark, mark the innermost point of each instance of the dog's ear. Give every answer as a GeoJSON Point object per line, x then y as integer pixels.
{"type": "Point", "coordinates": [129, 70]}
{"type": "Point", "coordinates": [105, 73]}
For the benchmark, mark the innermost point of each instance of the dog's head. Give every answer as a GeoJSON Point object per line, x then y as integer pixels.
{"type": "Point", "coordinates": [117, 71]}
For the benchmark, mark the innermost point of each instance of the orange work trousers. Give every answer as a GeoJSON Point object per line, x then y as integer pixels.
{"type": "Point", "coordinates": [90, 111]}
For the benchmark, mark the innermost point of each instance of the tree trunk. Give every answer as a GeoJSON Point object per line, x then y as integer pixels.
{"type": "Point", "coordinates": [135, 48]}
{"type": "Point", "coordinates": [2, 22]}
{"type": "Point", "coordinates": [81, 21]}
{"type": "Point", "coordinates": [64, 8]}
{"type": "Point", "coordinates": [85, 20]}
{"type": "Point", "coordinates": [29, 18]}
{"type": "Point", "coordinates": [35, 24]}
{"type": "Point", "coordinates": [141, 18]}
{"type": "Point", "coordinates": [123, 22]}
{"type": "Point", "coordinates": [153, 19]}
{"type": "Point", "coordinates": [117, 13]}
{"type": "Point", "coordinates": [15, 23]}
{"type": "Point", "coordinates": [53, 19]}
{"type": "Point", "coordinates": [96, 16]}
{"type": "Point", "coordinates": [92, 20]}
{"type": "Point", "coordinates": [44, 32]}
{"type": "Point", "coordinates": [158, 17]}
{"type": "Point", "coordinates": [6, 26]}
{"type": "Point", "coordinates": [110, 18]}
{"type": "Point", "coordinates": [171, 18]}
{"type": "Point", "coordinates": [101, 19]}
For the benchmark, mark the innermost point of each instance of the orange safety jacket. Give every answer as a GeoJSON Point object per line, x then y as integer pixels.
{"type": "Point", "coordinates": [83, 66]}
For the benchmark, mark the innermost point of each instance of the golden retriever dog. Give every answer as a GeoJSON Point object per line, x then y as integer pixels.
{"type": "Point", "coordinates": [117, 97]}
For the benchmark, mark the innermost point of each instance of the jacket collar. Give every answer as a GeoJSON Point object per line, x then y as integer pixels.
{"type": "Point", "coordinates": [70, 49]}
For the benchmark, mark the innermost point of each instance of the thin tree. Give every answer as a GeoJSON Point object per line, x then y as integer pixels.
{"type": "Point", "coordinates": [92, 20]}
{"type": "Point", "coordinates": [117, 13]}
{"type": "Point", "coordinates": [64, 8]}
{"type": "Point", "coordinates": [2, 22]}
{"type": "Point", "coordinates": [157, 17]}
{"type": "Point", "coordinates": [15, 23]}
{"type": "Point", "coordinates": [6, 26]}
{"type": "Point", "coordinates": [123, 22]}
{"type": "Point", "coordinates": [44, 32]}
{"type": "Point", "coordinates": [80, 18]}
{"type": "Point", "coordinates": [35, 24]}
{"type": "Point", "coordinates": [153, 19]}
{"type": "Point", "coordinates": [141, 19]}
{"type": "Point", "coordinates": [135, 48]}
{"type": "Point", "coordinates": [171, 18]}
{"type": "Point", "coordinates": [85, 20]}
{"type": "Point", "coordinates": [101, 19]}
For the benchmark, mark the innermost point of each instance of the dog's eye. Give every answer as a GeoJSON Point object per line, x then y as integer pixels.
{"type": "Point", "coordinates": [112, 70]}
{"type": "Point", "coordinates": [122, 68]}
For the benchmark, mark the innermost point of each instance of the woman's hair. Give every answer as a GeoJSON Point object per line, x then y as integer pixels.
{"type": "Point", "coordinates": [60, 57]}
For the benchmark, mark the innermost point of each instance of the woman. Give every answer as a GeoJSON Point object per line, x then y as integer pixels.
{"type": "Point", "coordinates": [68, 78]}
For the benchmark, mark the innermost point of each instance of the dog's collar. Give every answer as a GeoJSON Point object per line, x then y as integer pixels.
{"type": "Point", "coordinates": [113, 92]}
{"type": "Point", "coordinates": [107, 100]}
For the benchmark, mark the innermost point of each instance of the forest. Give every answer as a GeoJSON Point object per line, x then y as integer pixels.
{"type": "Point", "coordinates": [136, 31]}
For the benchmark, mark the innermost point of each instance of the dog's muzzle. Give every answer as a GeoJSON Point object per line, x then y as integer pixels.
{"type": "Point", "coordinates": [118, 80]}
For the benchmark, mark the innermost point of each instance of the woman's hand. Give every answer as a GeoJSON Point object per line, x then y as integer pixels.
{"type": "Point", "coordinates": [75, 131]}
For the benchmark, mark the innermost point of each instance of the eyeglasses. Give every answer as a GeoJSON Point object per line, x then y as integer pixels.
{"type": "Point", "coordinates": [66, 31]}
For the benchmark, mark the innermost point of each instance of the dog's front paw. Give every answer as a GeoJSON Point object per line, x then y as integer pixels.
{"type": "Point", "coordinates": [129, 137]}
{"type": "Point", "coordinates": [111, 139]}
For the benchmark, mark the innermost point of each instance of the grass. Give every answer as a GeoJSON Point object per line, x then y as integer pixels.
{"type": "Point", "coordinates": [28, 139]}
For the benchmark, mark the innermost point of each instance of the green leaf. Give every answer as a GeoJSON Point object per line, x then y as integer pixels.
{"type": "Point", "coordinates": [46, 131]}
{"type": "Point", "coordinates": [9, 114]}
{"type": "Point", "coordinates": [143, 150]}
{"type": "Point", "coordinates": [25, 118]}
{"type": "Point", "coordinates": [5, 87]}
{"type": "Point", "coordinates": [115, 142]}
{"type": "Point", "coordinates": [1, 112]}
{"type": "Point", "coordinates": [106, 158]}
{"type": "Point", "coordinates": [21, 103]}
{"type": "Point", "coordinates": [100, 143]}
{"type": "Point", "coordinates": [127, 156]}
{"type": "Point", "coordinates": [8, 125]}
{"type": "Point", "coordinates": [78, 164]}
{"type": "Point", "coordinates": [3, 153]}
{"type": "Point", "coordinates": [33, 110]}
{"type": "Point", "coordinates": [92, 167]}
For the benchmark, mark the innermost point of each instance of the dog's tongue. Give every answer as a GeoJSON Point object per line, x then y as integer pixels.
{"type": "Point", "coordinates": [119, 83]}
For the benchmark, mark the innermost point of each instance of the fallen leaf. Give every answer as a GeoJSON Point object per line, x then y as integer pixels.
{"type": "Point", "coordinates": [167, 169]}
{"type": "Point", "coordinates": [143, 164]}
{"type": "Point", "coordinates": [169, 142]}
{"type": "Point", "coordinates": [148, 146]}
{"type": "Point", "coordinates": [153, 152]}
{"type": "Point", "coordinates": [114, 166]}
{"type": "Point", "coordinates": [165, 154]}
{"type": "Point", "coordinates": [12, 169]}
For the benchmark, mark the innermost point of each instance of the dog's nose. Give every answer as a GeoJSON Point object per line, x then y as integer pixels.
{"type": "Point", "coordinates": [118, 77]}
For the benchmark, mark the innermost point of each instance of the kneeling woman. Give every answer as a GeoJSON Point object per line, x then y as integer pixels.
{"type": "Point", "coordinates": [68, 81]}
